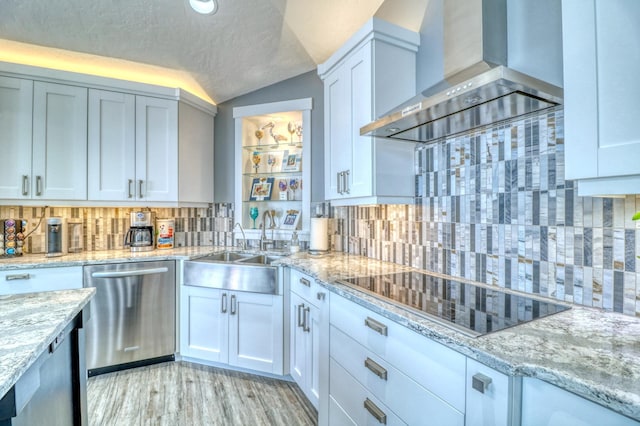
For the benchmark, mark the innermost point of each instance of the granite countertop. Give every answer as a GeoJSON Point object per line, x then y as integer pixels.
{"type": "Point", "coordinates": [590, 352]}
{"type": "Point", "coordinates": [28, 323]}
{"type": "Point", "coordinates": [113, 256]}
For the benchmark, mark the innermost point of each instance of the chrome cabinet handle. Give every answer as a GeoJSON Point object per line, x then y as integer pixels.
{"type": "Point", "coordinates": [38, 185]}
{"type": "Point", "coordinates": [346, 182]}
{"type": "Point", "coordinates": [376, 412]}
{"type": "Point", "coordinates": [321, 295]}
{"type": "Point", "coordinates": [480, 382]}
{"type": "Point", "coordinates": [129, 185]}
{"type": "Point", "coordinates": [305, 323]}
{"type": "Point", "coordinates": [376, 368]}
{"type": "Point", "coordinates": [25, 185]}
{"type": "Point", "coordinates": [15, 277]}
{"type": "Point", "coordinates": [300, 318]}
{"type": "Point", "coordinates": [339, 182]}
{"type": "Point", "coordinates": [140, 188]}
{"type": "Point", "coordinates": [233, 304]}
{"type": "Point", "coordinates": [376, 326]}
{"type": "Point", "coordinates": [135, 272]}
{"type": "Point", "coordinates": [223, 303]}
{"type": "Point", "coordinates": [305, 281]}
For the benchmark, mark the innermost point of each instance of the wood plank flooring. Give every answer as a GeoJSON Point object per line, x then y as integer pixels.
{"type": "Point", "coordinates": [182, 393]}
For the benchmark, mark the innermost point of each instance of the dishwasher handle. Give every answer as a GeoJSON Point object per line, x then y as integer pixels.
{"type": "Point", "coordinates": [135, 272]}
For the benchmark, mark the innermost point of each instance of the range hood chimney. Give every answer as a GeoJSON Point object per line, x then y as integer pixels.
{"type": "Point", "coordinates": [479, 89]}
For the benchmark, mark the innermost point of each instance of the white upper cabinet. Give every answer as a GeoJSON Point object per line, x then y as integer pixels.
{"type": "Point", "coordinates": [144, 149]}
{"type": "Point", "coordinates": [59, 162]}
{"type": "Point", "coordinates": [156, 149]}
{"type": "Point", "coordinates": [16, 117]}
{"type": "Point", "coordinates": [601, 41]}
{"type": "Point", "coordinates": [111, 145]}
{"type": "Point", "coordinates": [44, 132]}
{"type": "Point", "coordinates": [368, 76]}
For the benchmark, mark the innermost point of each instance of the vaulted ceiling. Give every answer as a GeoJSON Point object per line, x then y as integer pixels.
{"type": "Point", "coordinates": [246, 45]}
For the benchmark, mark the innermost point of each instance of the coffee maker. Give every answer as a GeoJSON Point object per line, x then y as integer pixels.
{"type": "Point", "coordinates": [140, 234]}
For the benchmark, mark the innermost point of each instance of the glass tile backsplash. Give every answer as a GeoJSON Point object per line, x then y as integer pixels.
{"type": "Point", "coordinates": [492, 205]}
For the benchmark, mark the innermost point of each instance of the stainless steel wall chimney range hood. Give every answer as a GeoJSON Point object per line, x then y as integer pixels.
{"type": "Point", "coordinates": [478, 88]}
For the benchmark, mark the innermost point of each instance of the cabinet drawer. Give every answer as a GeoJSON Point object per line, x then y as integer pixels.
{"type": "Point", "coordinates": [305, 286]}
{"type": "Point", "coordinates": [40, 279]}
{"type": "Point", "coordinates": [358, 404]}
{"type": "Point", "coordinates": [396, 390]}
{"type": "Point", "coordinates": [433, 366]}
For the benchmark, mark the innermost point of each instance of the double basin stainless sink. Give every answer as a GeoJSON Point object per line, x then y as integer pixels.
{"type": "Point", "coordinates": [233, 271]}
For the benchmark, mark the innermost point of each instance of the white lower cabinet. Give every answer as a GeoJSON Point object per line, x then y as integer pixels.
{"type": "Point", "coordinates": [308, 339]}
{"type": "Point", "coordinates": [230, 327]}
{"type": "Point", "coordinates": [492, 397]}
{"type": "Point", "coordinates": [416, 380]}
{"type": "Point", "coordinates": [40, 279]}
{"type": "Point", "coordinates": [544, 404]}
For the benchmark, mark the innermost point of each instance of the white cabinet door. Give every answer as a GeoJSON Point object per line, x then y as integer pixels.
{"type": "Point", "coordinates": [16, 117]}
{"type": "Point", "coordinates": [111, 150]}
{"type": "Point", "coordinates": [59, 167]}
{"type": "Point", "coordinates": [546, 405]}
{"type": "Point", "coordinates": [360, 179]}
{"type": "Point", "coordinates": [297, 342]}
{"type": "Point", "coordinates": [40, 279]}
{"type": "Point", "coordinates": [156, 149]}
{"type": "Point", "coordinates": [256, 332]}
{"type": "Point", "coordinates": [602, 141]}
{"type": "Point", "coordinates": [489, 396]}
{"type": "Point", "coordinates": [337, 133]}
{"type": "Point", "coordinates": [204, 324]}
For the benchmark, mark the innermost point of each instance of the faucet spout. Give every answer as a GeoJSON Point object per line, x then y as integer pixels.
{"type": "Point", "coordinates": [243, 245]}
{"type": "Point", "coordinates": [263, 237]}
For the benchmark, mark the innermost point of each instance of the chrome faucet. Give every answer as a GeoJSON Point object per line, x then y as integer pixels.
{"type": "Point", "coordinates": [243, 245]}
{"type": "Point", "coordinates": [264, 242]}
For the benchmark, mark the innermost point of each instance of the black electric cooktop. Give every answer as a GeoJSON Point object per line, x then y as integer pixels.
{"type": "Point", "coordinates": [472, 309]}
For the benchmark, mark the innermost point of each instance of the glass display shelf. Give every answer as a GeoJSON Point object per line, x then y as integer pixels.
{"type": "Point", "coordinates": [273, 147]}
{"type": "Point", "coordinates": [271, 174]}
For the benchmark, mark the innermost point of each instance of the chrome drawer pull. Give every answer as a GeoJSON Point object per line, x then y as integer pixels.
{"type": "Point", "coordinates": [305, 281]}
{"type": "Point", "coordinates": [305, 323]}
{"type": "Point", "coordinates": [376, 326]}
{"type": "Point", "coordinates": [377, 413]}
{"type": "Point", "coordinates": [233, 304]}
{"type": "Point", "coordinates": [300, 317]}
{"type": "Point", "coordinates": [480, 382]}
{"type": "Point", "coordinates": [223, 303]}
{"type": "Point", "coordinates": [18, 277]}
{"type": "Point", "coordinates": [376, 368]}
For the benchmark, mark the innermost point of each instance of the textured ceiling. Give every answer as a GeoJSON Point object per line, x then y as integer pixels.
{"type": "Point", "coordinates": [246, 45]}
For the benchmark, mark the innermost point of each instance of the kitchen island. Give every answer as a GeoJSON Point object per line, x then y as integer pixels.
{"type": "Point", "coordinates": [42, 372]}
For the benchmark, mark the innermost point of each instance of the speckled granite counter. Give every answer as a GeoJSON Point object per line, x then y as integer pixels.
{"type": "Point", "coordinates": [28, 323]}
{"type": "Point", "coordinates": [93, 257]}
{"type": "Point", "coordinates": [592, 353]}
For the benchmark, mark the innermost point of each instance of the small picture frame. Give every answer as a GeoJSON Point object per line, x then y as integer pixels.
{"type": "Point", "coordinates": [261, 189]}
{"type": "Point", "coordinates": [290, 220]}
{"type": "Point", "coordinates": [291, 161]}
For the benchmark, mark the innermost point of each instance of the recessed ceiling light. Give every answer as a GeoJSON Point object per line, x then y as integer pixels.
{"type": "Point", "coordinates": [206, 7]}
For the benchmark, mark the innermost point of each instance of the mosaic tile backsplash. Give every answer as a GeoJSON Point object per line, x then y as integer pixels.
{"type": "Point", "coordinates": [104, 228]}
{"type": "Point", "coordinates": [492, 205]}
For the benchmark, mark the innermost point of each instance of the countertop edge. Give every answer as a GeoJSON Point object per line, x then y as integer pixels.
{"type": "Point", "coordinates": [23, 366]}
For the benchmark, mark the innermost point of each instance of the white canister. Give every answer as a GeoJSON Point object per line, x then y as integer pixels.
{"type": "Point", "coordinates": [165, 233]}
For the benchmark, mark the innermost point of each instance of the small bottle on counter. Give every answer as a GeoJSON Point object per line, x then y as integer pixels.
{"type": "Point", "coordinates": [294, 247]}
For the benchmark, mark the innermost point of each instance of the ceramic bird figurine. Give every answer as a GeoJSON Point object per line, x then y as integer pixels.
{"type": "Point", "coordinates": [277, 138]}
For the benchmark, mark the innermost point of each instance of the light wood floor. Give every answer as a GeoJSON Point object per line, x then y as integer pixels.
{"type": "Point", "coordinates": [181, 393]}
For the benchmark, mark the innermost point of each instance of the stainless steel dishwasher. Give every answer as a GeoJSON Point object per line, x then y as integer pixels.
{"type": "Point", "coordinates": [133, 315]}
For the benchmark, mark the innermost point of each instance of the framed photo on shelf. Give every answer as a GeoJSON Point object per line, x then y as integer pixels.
{"type": "Point", "coordinates": [261, 189]}
{"type": "Point", "coordinates": [290, 220]}
{"type": "Point", "coordinates": [291, 160]}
